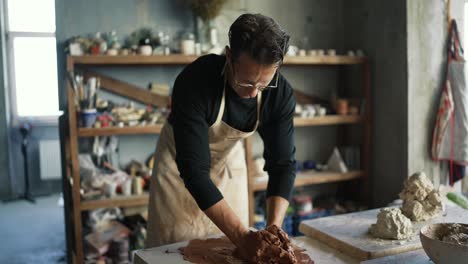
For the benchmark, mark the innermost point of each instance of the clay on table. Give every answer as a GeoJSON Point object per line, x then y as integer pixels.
{"type": "Point", "coordinates": [421, 201]}
{"type": "Point", "coordinates": [222, 251]}
{"type": "Point", "coordinates": [392, 224]}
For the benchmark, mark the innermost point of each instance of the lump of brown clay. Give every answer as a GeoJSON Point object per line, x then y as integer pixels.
{"type": "Point", "coordinates": [391, 224]}
{"type": "Point", "coordinates": [421, 201]}
{"type": "Point", "coordinates": [273, 249]}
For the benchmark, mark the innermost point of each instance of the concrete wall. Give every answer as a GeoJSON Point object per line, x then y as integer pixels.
{"type": "Point", "coordinates": [379, 28]}
{"type": "Point", "coordinates": [320, 21]}
{"type": "Point", "coordinates": [405, 41]}
{"type": "Point", "coordinates": [427, 41]}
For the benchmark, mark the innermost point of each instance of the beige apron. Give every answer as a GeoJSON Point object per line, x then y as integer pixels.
{"type": "Point", "coordinates": [174, 215]}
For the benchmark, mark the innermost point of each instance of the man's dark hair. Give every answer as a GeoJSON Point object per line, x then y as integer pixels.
{"type": "Point", "coordinates": [260, 37]}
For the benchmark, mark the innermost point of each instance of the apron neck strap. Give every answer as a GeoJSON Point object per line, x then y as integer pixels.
{"type": "Point", "coordinates": [222, 106]}
{"type": "Point", "coordinates": [259, 104]}
{"type": "Point", "coordinates": [223, 103]}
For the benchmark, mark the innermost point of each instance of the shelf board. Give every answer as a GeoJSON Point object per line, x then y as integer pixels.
{"type": "Point", "coordinates": [328, 120]}
{"type": "Point", "coordinates": [118, 201]}
{"type": "Point", "coordinates": [109, 131]}
{"type": "Point", "coordinates": [302, 179]}
{"type": "Point", "coordinates": [313, 177]}
{"type": "Point", "coordinates": [176, 59]}
{"type": "Point", "coordinates": [179, 59]}
{"type": "Point", "coordinates": [156, 129]}
{"type": "Point", "coordinates": [323, 60]}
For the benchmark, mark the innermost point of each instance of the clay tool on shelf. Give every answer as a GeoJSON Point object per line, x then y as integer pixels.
{"type": "Point", "coordinates": [74, 84]}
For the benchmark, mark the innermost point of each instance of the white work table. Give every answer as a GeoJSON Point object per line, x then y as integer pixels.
{"type": "Point", "coordinates": [319, 252]}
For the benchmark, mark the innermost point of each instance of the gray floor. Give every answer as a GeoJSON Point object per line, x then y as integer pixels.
{"type": "Point", "coordinates": [32, 233]}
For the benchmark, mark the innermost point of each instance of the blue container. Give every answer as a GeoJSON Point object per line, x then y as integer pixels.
{"type": "Point", "coordinates": [298, 166]}
{"type": "Point", "coordinates": [309, 165]}
{"type": "Point", "coordinates": [88, 117]}
{"type": "Point", "coordinates": [288, 225]}
{"type": "Point", "coordinates": [260, 225]}
{"type": "Point", "coordinates": [298, 219]}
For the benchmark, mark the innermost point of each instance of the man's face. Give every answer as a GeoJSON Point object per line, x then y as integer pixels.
{"type": "Point", "coordinates": [247, 76]}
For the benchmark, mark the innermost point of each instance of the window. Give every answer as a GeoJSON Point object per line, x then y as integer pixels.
{"type": "Point", "coordinates": [32, 57]}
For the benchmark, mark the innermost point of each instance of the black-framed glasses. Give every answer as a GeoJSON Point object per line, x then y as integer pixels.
{"type": "Point", "coordinates": [260, 88]}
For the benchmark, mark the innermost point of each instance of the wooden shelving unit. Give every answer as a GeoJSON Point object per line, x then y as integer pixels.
{"type": "Point", "coordinates": [76, 205]}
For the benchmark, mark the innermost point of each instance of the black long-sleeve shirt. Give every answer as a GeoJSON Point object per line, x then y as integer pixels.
{"type": "Point", "coordinates": [196, 99]}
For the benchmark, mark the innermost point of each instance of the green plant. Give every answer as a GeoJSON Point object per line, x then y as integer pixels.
{"type": "Point", "coordinates": [86, 43]}
{"type": "Point", "coordinates": [137, 36]}
{"type": "Point", "coordinates": [206, 9]}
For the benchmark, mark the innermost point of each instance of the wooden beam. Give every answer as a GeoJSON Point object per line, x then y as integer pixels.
{"type": "Point", "coordinates": [179, 59]}
{"type": "Point", "coordinates": [129, 90]}
{"type": "Point", "coordinates": [76, 196]}
{"type": "Point", "coordinates": [108, 131]}
{"type": "Point", "coordinates": [174, 59]}
{"type": "Point", "coordinates": [323, 60]}
{"type": "Point", "coordinates": [366, 157]}
{"type": "Point", "coordinates": [311, 178]}
{"type": "Point", "coordinates": [328, 120]}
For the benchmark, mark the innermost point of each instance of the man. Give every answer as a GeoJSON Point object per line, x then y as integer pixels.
{"type": "Point", "coordinates": [199, 181]}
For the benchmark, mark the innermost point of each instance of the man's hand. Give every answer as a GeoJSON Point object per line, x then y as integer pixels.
{"type": "Point", "coordinates": [248, 246]}
{"type": "Point", "coordinates": [227, 221]}
{"type": "Point", "coordinates": [285, 243]}
{"type": "Point", "coordinates": [266, 246]}
{"type": "Point", "coordinates": [248, 243]}
{"type": "Point", "coordinates": [257, 247]}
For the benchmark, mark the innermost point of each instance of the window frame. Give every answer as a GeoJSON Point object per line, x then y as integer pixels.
{"type": "Point", "coordinates": [10, 36]}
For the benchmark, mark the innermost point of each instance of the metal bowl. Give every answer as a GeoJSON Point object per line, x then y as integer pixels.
{"type": "Point", "coordinates": [439, 251]}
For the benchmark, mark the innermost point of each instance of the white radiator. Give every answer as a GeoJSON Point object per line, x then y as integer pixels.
{"type": "Point", "coordinates": [49, 159]}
